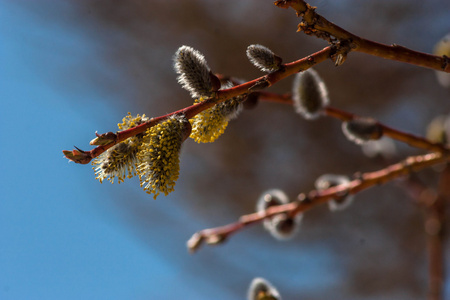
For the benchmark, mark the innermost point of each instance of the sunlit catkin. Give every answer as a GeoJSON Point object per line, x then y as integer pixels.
{"type": "Point", "coordinates": [211, 123]}
{"type": "Point", "coordinates": [159, 160]}
{"type": "Point", "coordinates": [120, 160]}
{"type": "Point", "coordinates": [194, 74]}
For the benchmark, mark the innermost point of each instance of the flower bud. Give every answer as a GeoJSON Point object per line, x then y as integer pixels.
{"type": "Point", "coordinates": [442, 48]}
{"type": "Point", "coordinates": [103, 139]}
{"type": "Point", "coordinates": [343, 199]}
{"type": "Point", "coordinates": [438, 131]}
{"type": "Point", "coordinates": [263, 58]}
{"type": "Point", "coordinates": [194, 73]}
{"type": "Point", "coordinates": [281, 226]}
{"type": "Point", "coordinates": [77, 155]}
{"type": "Point", "coordinates": [384, 147]}
{"type": "Point", "coordinates": [195, 242]}
{"type": "Point", "coordinates": [261, 289]}
{"type": "Point", "coordinates": [361, 130]}
{"type": "Point", "coordinates": [310, 94]}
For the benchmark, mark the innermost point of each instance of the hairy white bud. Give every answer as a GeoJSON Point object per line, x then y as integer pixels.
{"type": "Point", "coordinates": [362, 130]}
{"type": "Point", "coordinates": [310, 94]}
{"type": "Point", "coordinates": [442, 48]}
{"type": "Point", "coordinates": [383, 147]}
{"type": "Point", "coordinates": [261, 289]}
{"type": "Point", "coordinates": [263, 58]}
{"type": "Point", "coordinates": [330, 180]}
{"type": "Point", "coordinates": [194, 73]}
{"type": "Point", "coordinates": [281, 226]}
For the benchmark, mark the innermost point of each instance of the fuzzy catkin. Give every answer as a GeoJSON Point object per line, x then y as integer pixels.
{"type": "Point", "coordinates": [263, 58]}
{"type": "Point", "coordinates": [310, 94]}
{"type": "Point", "coordinates": [194, 74]}
{"type": "Point", "coordinates": [362, 130]}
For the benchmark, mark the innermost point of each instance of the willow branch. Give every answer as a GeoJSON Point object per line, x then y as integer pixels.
{"type": "Point", "coordinates": [408, 138]}
{"type": "Point", "coordinates": [315, 24]}
{"type": "Point", "coordinates": [307, 201]}
{"type": "Point", "coordinates": [434, 206]}
{"type": "Point", "coordinates": [288, 69]}
{"type": "Point", "coordinates": [435, 220]}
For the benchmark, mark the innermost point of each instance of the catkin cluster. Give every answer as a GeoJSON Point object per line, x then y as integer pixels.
{"type": "Point", "coordinates": [153, 155]}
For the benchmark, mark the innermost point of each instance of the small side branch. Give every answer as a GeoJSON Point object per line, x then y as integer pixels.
{"type": "Point", "coordinates": [435, 220]}
{"type": "Point", "coordinates": [315, 24]}
{"type": "Point", "coordinates": [408, 138]}
{"type": "Point", "coordinates": [364, 181]}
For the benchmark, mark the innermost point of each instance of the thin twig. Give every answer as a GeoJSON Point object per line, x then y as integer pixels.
{"type": "Point", "coordinates": [434, 205]}
{"type": "Point", "coordinates": [408, 138]}
{"type": "Point", "coordinates": [305, 202]}
{"type": "Point", "coordinates": [435, 229]}
{"type": "Point", "coordinates": [315, 24]}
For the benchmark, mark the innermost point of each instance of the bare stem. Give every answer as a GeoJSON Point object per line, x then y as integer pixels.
{"type": "Point", "coordinates": [434, 227]}
{"type": "Point", "coordinates": [315, 197]}
{"type": "Point", "coordinates": [434, 206]}
{"type": "Point", "coordinates": [315, 24]}
{"type": "Point", "coordinates": [408, 138]}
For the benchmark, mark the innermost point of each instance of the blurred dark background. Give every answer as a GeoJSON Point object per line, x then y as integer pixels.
{"type": "Point", "coordinates": [375, 249]}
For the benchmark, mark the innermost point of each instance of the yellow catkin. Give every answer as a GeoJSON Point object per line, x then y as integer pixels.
{"type": "Point", "coordinates": [210, 124]}
{"type": "Point", "coordinates": [120, 160]}
{"type": "Point", "coordinates": [159, 158]}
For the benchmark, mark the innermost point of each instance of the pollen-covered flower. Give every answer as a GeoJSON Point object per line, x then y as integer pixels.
{"type": "Point", "coordinates": [159, 158]}
{"type": "Point", "coordinates": [310, 94]}
{"type": "Point", "coordinates": [263, 58]}
{"type": "Point", "coordinates": [281, 226]}
{"type": "Point", "coordinates": [211, 123]}
{"type": "Point", "coordinates": [118, 161]}
{"type": "Point", "coordinates": [129, 121]}
{"type": "Point", "coordinates": [362, 130]}
{"type": "Point", "coordinates": [326, 181]}
{"type": "Point", "coordinates": [194, 73]}
{"type": "Point", "coordinates": [261, 289]}
{"type": "Point", "coordinates": [121, 159]}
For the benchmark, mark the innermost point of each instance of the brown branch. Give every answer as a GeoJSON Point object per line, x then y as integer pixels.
{"type": "Point", "coordinates": [408, 138]}
{"type": "Point", "coordinates": [286, 70]}
{"type": "Point", "coordinates": [434, 226]}
{"type": "Point", "coordinates": [315, 24]}
{"type": "Point", "coordinates": [434, 207]}
{"type": "Point", "coordinates": [364, 181]}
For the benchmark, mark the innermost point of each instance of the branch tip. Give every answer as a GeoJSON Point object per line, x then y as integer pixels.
{"type": "Point", "coordinates": [78, 156]}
